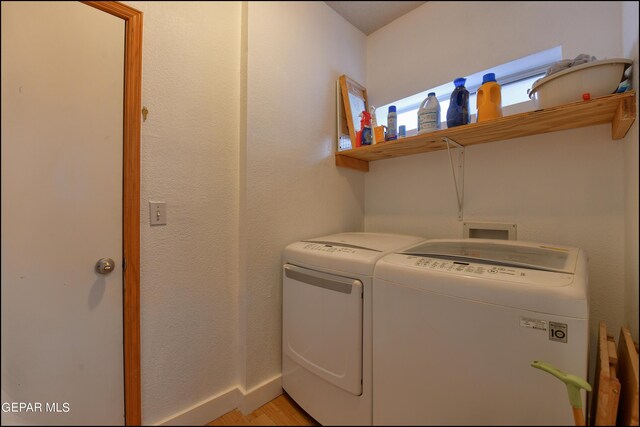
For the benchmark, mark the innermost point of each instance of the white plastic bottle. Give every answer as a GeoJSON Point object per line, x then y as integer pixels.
{"type": "Point", "coordinates": [429, 114]}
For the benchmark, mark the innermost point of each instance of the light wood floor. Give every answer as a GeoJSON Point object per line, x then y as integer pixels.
{"type": "Point", "coordinates": [281, 411]}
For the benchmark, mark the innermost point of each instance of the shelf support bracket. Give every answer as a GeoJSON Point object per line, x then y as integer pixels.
{"type": "Point", "coordinates": [459, 185]}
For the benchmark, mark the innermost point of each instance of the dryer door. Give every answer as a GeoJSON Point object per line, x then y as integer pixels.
{"type": "Point", "coordinates": [322, 325]}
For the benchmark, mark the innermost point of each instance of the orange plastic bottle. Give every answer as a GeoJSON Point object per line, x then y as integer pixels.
{"type": "Point", "coordinates": [489, 99]}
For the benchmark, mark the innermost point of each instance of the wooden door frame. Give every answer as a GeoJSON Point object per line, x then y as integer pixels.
{"type": "Point", "coordinates": [131, 202]}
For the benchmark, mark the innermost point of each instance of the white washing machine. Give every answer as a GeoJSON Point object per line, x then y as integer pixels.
{"type": "Point", "coordinates": [326, 323]}
{"type": "Point", "coordinates": [457, 323]}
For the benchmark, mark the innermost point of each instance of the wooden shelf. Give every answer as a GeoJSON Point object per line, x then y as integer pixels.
{"type": "Point", "coordinates": [617, 109]}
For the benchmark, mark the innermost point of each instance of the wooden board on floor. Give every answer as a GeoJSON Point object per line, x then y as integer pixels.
{"type": "Point", "coordinates": [628, 372]}
{"type": "Point", "coordinates": [606, 389]}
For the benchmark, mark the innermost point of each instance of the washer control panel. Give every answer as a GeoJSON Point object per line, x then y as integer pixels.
{"type": "Point", "coordinates": [489, 271]}
{"type": "Point", "coordinates": [457, 266]}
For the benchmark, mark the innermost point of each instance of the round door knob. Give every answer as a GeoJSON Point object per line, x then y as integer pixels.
{"type": "Point", "coordinates": [105, 265]}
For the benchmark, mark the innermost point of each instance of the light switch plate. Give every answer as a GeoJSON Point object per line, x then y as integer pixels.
{"type": "Point", "coordinates": [157, 213]}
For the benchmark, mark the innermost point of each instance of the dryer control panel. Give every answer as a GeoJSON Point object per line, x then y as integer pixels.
{"type": "Point", "coordinates": [321, 247]}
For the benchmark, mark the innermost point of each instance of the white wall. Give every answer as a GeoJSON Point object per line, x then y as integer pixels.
{"type": "Point", "coordinates": [189, 158]}
{"type": "Point", "coordinates": [291, 188]}
{"type": "Point", "coordinates": [439, 41]}
{"type": "Point", "coordinates": [565, 187]}
{"type": "Point", "coordinates": [630, 50]}
{"type": "Point", "coordinates": [240, 145]}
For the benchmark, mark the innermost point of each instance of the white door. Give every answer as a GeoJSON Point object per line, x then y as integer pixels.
{"type": "Point", "coordinates": [62, 118]}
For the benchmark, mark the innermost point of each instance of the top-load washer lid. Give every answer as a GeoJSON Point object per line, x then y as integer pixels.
{"type": "Point", "coordinates": [503, 253]}
{"type": "Point", "coordinates": [544, 278]}
{"type": "Point", "coordinates": [355, 252]}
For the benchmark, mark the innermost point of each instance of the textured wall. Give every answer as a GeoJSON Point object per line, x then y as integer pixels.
{"type": "Point", "coordinates": [439, 41]}
{"type": "Point", "coordinates": [630, 49]}
{"type": "Point", "coordinates": [191, 66]}
{"type": "Point", "coordinates": [565, 187]}
{"type": "Point", "coordinates": [291, 188]}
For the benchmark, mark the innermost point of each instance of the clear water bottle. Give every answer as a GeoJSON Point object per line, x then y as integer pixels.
{"type": "Point", "coordinates": [392, 123]}
{"type": "Point", "coordinates": [458, 111]}
{"type": "Point", "coordinates": [429, 114]}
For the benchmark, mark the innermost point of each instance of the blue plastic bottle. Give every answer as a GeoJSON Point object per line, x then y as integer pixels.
{"type": "Point", "coordinates": [458, 111]}
{"type": "Point", "coordinates": [392, 123]}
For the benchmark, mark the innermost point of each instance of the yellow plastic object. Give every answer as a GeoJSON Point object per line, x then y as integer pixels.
{"type": "Point", "coordinates": [573, 383]}
{"type": "Point", "coordinates": [489, 101]}
{"type": "Point", "coordinates": [379, 133]}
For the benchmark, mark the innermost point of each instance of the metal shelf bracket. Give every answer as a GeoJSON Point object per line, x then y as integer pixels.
{"type": "Point", "coordinates": [459, 181]}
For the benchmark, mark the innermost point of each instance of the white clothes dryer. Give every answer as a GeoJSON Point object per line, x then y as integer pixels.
{"type": "Point", "coordinates": [457, 324]}
{"type": "Point", "coordinates": [326, 323]}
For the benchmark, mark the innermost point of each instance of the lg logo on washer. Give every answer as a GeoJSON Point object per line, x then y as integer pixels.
{"type": "Point", "coordinates": [557, 331]}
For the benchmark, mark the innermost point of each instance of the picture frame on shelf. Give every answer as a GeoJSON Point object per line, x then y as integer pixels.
{"type": "Point", "coordinates": [351, 101]}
